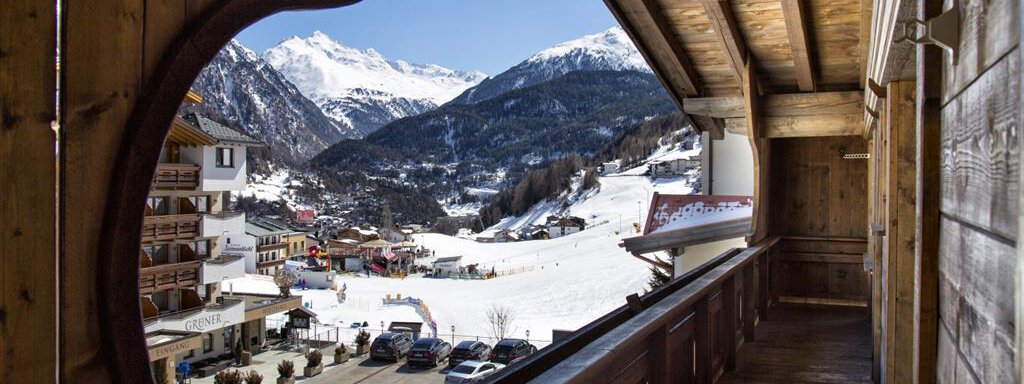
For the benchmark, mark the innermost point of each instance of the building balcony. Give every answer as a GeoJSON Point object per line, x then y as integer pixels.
{"type": "Point", "coordinates": [701, 327]}
{"type": "Point", "coordinates": [176, 176]}
{"type": "Point", "coordinates": [170, 227]}
{"type": "Point", "coordinates": [272, 247]}
{"type": "Point", "coordinates": [271, 263]}
{"type": "Point", "coordinates": [169, 276]}
{"type": "Point", "coordinates": [223, 267]}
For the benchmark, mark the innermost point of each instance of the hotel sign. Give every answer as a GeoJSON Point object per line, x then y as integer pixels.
{"type": "Point", "coordinates": [209, 319]}
{"type": "Point", "coordinates": [175, 347]}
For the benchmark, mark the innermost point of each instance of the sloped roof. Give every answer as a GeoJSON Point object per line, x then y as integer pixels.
{"type": "Point", "coordinates": [222, 133]}
{"type": "Point", "coordinates": [261, 229]}
{"type": "Point", "coordinates": [447, 259]}
{"type": "Point", "coordinates": [668, 212]}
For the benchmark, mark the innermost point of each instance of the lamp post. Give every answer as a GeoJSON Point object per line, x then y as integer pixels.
{"type": "Point", "coordinates": [382, 326]}
{"type": "Point", "coordinates": [527, 336]}
{"type": "Point", "coordinates": [453, 335]}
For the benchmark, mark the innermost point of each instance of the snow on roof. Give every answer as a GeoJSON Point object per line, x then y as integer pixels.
{"type": "Point", "coordinates": [670, 212]}
{"type": "Point", "coordinates": [447, 259]}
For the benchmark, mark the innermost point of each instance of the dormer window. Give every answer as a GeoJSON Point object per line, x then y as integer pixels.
{"type": "Point", "coordinates": [225, 157]}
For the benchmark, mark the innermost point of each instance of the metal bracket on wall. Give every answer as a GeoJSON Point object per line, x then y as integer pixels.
{"type": "Point", "coordinates": [942, 30]}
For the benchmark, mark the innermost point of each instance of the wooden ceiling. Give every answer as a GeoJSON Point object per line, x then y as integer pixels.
{"type": "Point", "coordinates": [699, 47]}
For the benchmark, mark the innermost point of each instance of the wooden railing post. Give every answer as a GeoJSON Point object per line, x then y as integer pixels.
{"type": "Point", "coordinates": [762, 291]}
{"type": "Point", "coordinates": [748, 302]}
{"type": "Point", "coordinates": [703, 342]}
{"type": "Point", "coordinates": [728, 323]}
{"type": "Point", "coordinates": [661, 356]}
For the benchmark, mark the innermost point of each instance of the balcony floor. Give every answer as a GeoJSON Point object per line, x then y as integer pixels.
{"type": "Point", "coordinates": [807, 344]}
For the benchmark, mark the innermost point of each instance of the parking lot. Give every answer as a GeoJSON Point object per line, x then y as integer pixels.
{"type": "Point", "coordinates": [362, 370]}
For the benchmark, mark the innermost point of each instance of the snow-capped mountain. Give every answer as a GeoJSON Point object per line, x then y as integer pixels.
{"type": "Point", "coordinates": [242, 89]}
{"type": "Point", "coordinates": [361, 89]}
{"type": "Point", "coordinates": [608, 50]}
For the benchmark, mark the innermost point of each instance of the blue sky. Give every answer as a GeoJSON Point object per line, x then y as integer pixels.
{"type": "Point", "coordinates": [488, 35]}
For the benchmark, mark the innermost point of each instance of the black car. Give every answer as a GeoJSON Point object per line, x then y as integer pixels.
{"type": "Point", "coordinates": [469, 350]}
{"type": "Point", "coordinates": [510, 349]}
{"type": "Point", "coordinates": [429, 351]}
{"type": "Point", "coordinates": [390, 346]}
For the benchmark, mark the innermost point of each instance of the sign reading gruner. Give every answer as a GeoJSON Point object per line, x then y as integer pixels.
{"type": "Point", "coordinates": [206, 320]}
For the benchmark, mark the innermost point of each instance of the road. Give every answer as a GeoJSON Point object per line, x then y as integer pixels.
{"type": "Point", "coordinates": [365, 371]}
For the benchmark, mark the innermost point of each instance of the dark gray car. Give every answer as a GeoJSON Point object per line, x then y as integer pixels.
{"type": "Point", "coordinates": [507, 350]}
{"type": "Point", "coordinates": [390, 346]}
{"type": "Point", "coordinates": [469, 350]}
{"type": "Point", "coordinates": [429, 351]}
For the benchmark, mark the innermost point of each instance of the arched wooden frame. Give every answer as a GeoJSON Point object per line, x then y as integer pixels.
{"type": "Point", "coordinates": [117, 278]}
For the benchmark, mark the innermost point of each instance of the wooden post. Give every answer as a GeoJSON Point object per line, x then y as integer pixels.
{"type": "Point", "coordinates": [748, 303]}
{"type": "Point", "coordinates": [762, 291]}
{"type": "Point", "coordinates": [28, 188]}
{"type": "Point", "coordinates": [901, 230]}
{"type": "Point", "coordinates": [728, 322]}
{"type": "Point", "coordinates": [702, 339]}
{"type": "Point", "coordinates": [928, 198]}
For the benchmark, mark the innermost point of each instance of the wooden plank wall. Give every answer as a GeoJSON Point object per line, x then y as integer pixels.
{"type": "Point", "coordinates": [28, 251]}
{"type": "Point", "coordinates": [819, 208]}
{"type": "Point", "coordinates": [979, 200]}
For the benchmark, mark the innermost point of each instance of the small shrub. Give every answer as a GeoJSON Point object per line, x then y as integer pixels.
{"type": "Point", "coordinates": [313, 358]}
{"type": "Point", "coordinates": [253, 377]}
{"type": "Point", "coordinates": [340, 350]}
{"type": "Point", "coordinates": [227, 377]}
{"type": "Point", "coordinates": [286, 369]}
{"type": "Point", "coordinates": [363, 338]}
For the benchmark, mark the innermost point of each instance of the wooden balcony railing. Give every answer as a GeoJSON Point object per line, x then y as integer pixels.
{"type": "Point", "coordinates": [175, 176]}
{"type": "Point", "coordinates": [170, 227]}
{"type": "Point", "coordinates": [687, 331]}
{"type": "Point", "coordinates": [168, 276]}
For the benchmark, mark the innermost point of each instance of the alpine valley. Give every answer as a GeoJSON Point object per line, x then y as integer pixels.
{"type": "Point", "coordinates": [348, 130]}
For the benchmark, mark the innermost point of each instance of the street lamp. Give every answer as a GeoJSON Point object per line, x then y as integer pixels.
{"type": "Point", "coordinates": [453, 335]}
{"type": "Point", "coordinates": [382, 326]}
{"type": "Point", "coordinates": [527, 335]}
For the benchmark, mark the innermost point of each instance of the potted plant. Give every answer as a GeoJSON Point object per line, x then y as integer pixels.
{"type": "Point", "coordinates": [362, 343]}
{"type": "Point", "coordinates": [286, 372]}
{"type": "Point", "coordinates": [314, 364]}
{"type": "Point", "coordinates": [252, 377]}
{"type": "Point", "coordinates": [230, 376]}
{"type": "Point", "coordinates": [340, 354]}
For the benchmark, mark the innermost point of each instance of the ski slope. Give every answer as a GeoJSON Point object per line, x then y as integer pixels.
{"type": "Point", "coordinates": [565, 283]}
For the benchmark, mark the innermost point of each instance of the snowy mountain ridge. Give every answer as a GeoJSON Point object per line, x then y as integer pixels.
{"type": "Point", "coordinates": [607, 50]}
{"type": "Point", "coordinates": [361, 88]}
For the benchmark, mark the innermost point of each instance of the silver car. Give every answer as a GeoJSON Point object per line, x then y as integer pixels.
{"type": "Point", "coordinates": [472, 371]}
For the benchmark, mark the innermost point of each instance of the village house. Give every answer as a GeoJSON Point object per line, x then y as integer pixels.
{"type": "Point", "coordinates": [674, 167]}
{"type": "Point", "coordinates": [563, 226]}
{"type": "Point", "coordinates": [445, 266]}
{"type": "Point", "coordinates": [271, 248]}
{"type": "Point", "coordinates": [610, 167]}
{"type": "Point", "coordinates": [358, 234]}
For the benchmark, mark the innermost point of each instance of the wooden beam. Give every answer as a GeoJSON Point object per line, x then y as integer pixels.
{"type": "Point", "coordinates": [691, 85]}
{"type": "Point", "coordinates": [775, 127]}
{"type": "Point", "coordinates": [728, 35]}
{"type": "Point", "coordinates": [760, 148]}
{"type": "Point", "coordinates": [715, 127]}
{"type": "Point", "coordinates": [795, 104]}
{"type": "Point", "coordinates": [792, 11]}
{"type": "Point", "coordinates": [654, 262]}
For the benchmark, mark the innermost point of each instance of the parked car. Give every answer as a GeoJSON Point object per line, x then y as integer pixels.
{"type": "Point", "coordinates": [355, 325]}
{"type": "Point", "coordinates": [507, 350]}
{"type": "Point", "coordinates": [429, 351]}
{"type": "Point", "coordinates": [472, 372]}
{"type": "Point", "coordinates": [390, 346]}
{"type": "Point", "coordinates": [469, 350]}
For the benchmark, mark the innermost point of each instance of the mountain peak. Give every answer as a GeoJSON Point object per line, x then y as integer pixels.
{"type": "Point", "coordinates": [322, 68]}
{"type": "Point", "coordinates": [612, 44]}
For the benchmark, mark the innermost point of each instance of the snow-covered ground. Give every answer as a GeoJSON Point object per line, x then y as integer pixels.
{"type": "Point", "coordinates": [562, 283]}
